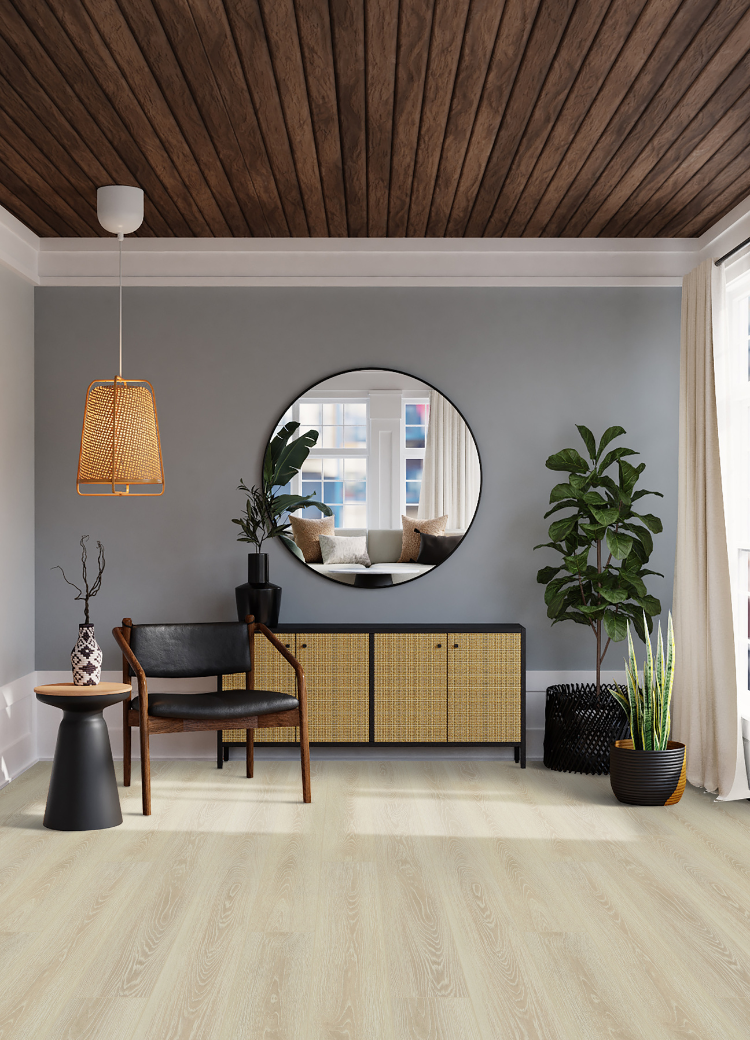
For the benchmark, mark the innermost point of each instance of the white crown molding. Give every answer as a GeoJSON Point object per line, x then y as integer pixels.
{"type": "Point", "coordinates": [365, 262]}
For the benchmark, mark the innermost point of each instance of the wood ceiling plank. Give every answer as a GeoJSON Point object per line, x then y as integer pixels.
{"type": "Point", "coordinates": [348, 32]}
{"type": "Point", "coordinates": [512, 37]}
{"type": "Point", "coordinates": [51, 80]}
{"type": "Point", "coordinates": [707, 131]}
{"type": "Point", "coordinates": [249, 35]}
{"type": "Point", "coordinates": [28, 215]}
{"type": "Point", "coordinates": [140, 48]}
{"type": "Point", "coordinates": [479, 41]}
{"type": "Point", "coordinates": [76, 174]}
{"type": "Point", "coordinates": [33, 166]}
{"type": "Point", "coordinates": [280, 23]}
{"type": "Point", "coordinates": [514, 155]}
{"type": "Point", "coordinates": [316, 45]}
{"type": "Point", "coordinates": [414, 43]}
{"type": "Point", "coordinates": [700, 87]}
{"type": "Point", "coordinates": [720, 172]}
{"type": "Point", "coordinates": [29, 198]}
{"type": "Point", "coordinates": [381, 36]}
{"type": "Point", "coordinates": [695, 32]}
{"type": "Point", "coordinates": [537, 61]}
{"type": "Point", "coordinates": [717, 206]}
{"type": "Point", "coordinates": [448, 27]}
{"type": "Point", "coordinates": [87, 41]}
{"type": "Point", "coordinates": [627, 37]}
{"type": "Point", "coordinates": [685, 159]}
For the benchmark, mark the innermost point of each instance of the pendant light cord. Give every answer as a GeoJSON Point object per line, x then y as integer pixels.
{"type": "Point", "coordinates": [119, 238]}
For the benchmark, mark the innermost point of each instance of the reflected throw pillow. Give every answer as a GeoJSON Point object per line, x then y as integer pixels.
{"type": "Point", "coordinates": [436, 548]}
{"type": "Point", "coordinates": [342, 549]}
{"type": "Point", "coordinates": [410, 537]}
{"type": "Point", "coordinates": [307, 534]}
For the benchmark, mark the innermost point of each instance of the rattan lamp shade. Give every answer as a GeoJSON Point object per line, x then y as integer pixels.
{"type": "Point", "coordinates": [120, 443]}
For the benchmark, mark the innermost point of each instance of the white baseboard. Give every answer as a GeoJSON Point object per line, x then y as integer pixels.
{"type": "Point", "coordinates": [28, 729]}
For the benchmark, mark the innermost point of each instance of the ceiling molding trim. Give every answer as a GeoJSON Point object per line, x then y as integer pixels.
{"type": "Point", "coordinates": [19, 247]}
{"type": "Point", "coordinates": [726, 234]}
{"type": "Point", "coordinates": [362, 262]}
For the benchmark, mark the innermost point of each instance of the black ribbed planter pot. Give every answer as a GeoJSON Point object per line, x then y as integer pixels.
{"type": "Point", "coordinates": [648, 777]}
{"type": "Point", "coordinates": [580, 728]}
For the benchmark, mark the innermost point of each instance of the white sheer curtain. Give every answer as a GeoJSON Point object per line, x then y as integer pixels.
{"type": "Point", "coordinates": [451, 475]}
{"type": "Point", "coordinates": [705, 707]}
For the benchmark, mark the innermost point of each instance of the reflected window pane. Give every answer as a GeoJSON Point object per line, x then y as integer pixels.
{"type": "Point", "coordinates": [416, 414]}
{"type": "Point", "coordinates": [338, 515]}
{"type": "Point", "coordinates": [355, 515]}
{"type": "Point", "coordinates": [355, 469]}
{"type": "Point", "coordinates": [309, 414]}
{"type": "Point", "coordinates": [333, 414]}
{"type": "Point", "coordinates": [333, 437]}
{"type": "Point", "coordinates": [412, 511]}
{"type": "Point", "coordinates": [333, 469]}
{"type": "Point", "coordinates": [311, 468]}
{"type": "Point", "coordinates": [312, 487]}
{"type": "Point", "coordinates": [355, 414]}
{"type": "Point", "coordinates": [355, 436]}
{"type": "Point", "coordinates": [333, 492]}
{"type": "Point", "coordinates": [354, 491]}
{"type": "Point", "coordinates": [414, 469]}
{"type": "Point", "coordinates": [413, 488]}
{"type": "Point", "coordinates": [415, 436]}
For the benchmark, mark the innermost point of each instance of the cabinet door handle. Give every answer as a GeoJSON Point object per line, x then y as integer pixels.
{"type": "Point", "coordinates": [455, 646]}
{"type": "Point", "coordinates": [304, 646]}
{"type": "Point", "coordinates": [287, 645]}
{"type": "Point", "coordinates": [439, 646]}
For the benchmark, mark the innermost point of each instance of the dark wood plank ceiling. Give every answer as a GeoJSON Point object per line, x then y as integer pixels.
{"type": "Point", "coordinates": [536, 118]}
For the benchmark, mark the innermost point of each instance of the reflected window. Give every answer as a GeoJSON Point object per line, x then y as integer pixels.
{"type": "Point", "coordinates": [336, 469]}
{"type": "Point", "coordinates": [416, 421]}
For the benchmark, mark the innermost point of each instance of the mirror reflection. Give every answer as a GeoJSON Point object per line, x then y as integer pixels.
{"type": "Point", "coordinates": [396, 466]}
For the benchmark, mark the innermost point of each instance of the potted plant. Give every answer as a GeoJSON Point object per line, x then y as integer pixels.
{"type": "Point", "coordinates": [648, 768]}
{"type": "Point", "coordinates": [86, 655]}
{"type": "Point", "coordinates": [605, 545]}
{"type": "Point", "coordinates": [266, 516]}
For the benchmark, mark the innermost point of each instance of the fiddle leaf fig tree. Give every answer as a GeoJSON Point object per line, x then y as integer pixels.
{"type": "Point", "coordinates": [603, 542]}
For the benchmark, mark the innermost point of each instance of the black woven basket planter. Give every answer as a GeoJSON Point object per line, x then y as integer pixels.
{"type": "Point", "coordinates": [579, 729]}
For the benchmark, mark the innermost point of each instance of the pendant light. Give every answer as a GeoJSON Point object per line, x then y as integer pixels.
{"type": "Point", "coordinates": [120, 443]}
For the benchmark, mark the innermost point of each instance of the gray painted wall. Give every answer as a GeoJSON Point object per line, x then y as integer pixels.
{"type": "Point", "coordinates": [523, 365]}
{"type": "Point", "coordinates": [16, 476]}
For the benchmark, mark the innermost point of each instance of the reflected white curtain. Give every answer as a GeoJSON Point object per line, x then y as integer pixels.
{"type": "Point", "coordinates": [705, 712]}
{"type": "Point", "coordinates": [451, 475]}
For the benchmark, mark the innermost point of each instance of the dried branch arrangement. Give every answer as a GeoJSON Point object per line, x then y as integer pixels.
{"type": "Point", "coordinates": [88, 591]}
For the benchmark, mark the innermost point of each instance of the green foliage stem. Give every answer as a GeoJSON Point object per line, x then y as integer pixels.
{"type": "Point", "coordinates": [605, 544]}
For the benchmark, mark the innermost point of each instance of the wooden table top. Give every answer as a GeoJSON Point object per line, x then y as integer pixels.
{"type": "Point", "coordinates": [69, 690]}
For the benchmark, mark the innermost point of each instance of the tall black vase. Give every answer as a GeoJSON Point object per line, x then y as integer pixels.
{"type": "Point", "coordinates": [258, 596]}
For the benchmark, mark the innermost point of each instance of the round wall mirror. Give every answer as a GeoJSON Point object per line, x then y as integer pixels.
{"type": "Point", "coordinates": [390, 483]}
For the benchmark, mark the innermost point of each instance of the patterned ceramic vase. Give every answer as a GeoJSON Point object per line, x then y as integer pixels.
{"type": "Point", "coordinates": [86, 658]}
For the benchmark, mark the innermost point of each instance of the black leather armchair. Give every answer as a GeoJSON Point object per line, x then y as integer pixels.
{"type": "Point", "coordinates": [193, 651]}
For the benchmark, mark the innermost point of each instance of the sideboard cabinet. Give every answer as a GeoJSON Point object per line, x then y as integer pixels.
{"type": "Point", "coordinates": [398, 684]}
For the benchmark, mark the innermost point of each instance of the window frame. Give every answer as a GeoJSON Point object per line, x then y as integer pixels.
{"type": "Point", "coordinates": [410, 454]}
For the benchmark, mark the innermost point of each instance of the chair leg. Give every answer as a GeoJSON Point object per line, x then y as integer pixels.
{"type": "Point", "coordinates": [145, 772]}
{"type": "Point", "coordinates": [219, 751]}
{"type": "Point", "coordinates": [250, 751]}
{"type": "Point", "coordinates": [304, 748]}
{"type": "Point", "coordinates": [126, 745]}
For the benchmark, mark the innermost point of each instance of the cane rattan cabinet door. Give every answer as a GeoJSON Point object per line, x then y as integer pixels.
{"type": "Point", "coordinates": [337, 670]}
{"type": "Point", "coordinates": [272, 672]}
{"type": "Point", "coordinates": [410, 687]}
{"type": "Point", "coordinates": [484, 686]}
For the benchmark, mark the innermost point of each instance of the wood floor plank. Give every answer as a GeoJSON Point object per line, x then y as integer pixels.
{"type": "Point", "coordinates": [435, 1019]}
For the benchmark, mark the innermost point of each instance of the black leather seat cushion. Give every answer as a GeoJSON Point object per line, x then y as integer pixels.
{"type": "Point", "coordinates": [233, 704]}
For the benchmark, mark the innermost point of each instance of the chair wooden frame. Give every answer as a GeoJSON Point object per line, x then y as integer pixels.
{"type": "Point", "coordinates": [148, 724]}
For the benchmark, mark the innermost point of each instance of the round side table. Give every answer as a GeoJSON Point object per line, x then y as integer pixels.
{"type": "Point", "coordinates": [82, 789]}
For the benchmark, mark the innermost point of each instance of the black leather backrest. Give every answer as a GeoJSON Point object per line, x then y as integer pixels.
{"type": "Point", "coordinates": [189, 651]}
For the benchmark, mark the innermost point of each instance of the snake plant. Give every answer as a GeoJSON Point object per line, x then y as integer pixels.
{"type": "Point", "coordinates": [647, 706]}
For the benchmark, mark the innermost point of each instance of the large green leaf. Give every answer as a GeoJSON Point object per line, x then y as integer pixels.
{"type": "Point", "coordinates": [653, 523]}
{"type": "Point", "coordinates": [576, 564]}
{"type": "Point", "coordinates": [561, 528]}
{"type": "Point", "coordinates": [593, 498]}
{"type": "Point", "coordinates": [609, 435]}
{"type": "Point", "coordinates": [614, 456]}
{"type": "Point", "coordinates": [589, 440]}
{"type": "Point", "coordinates": [560, 491]}
{"type": "Point", "coordinates": [643, 536]}
{"type": "Point", "coordinates": [568, 504]}
{"type": "Point", "coordinates": [291, 457]}
{"type": "Point", "coordinates": [650, 604]}
{"type": "Point", "coordinates": [616, 627]}
{"type": "Point", "coordinates": [567, 459]}
{"type": "Point", "coordinates": [614, 595]}
{"type": "Point", "coordinates": [546, 574]}
{"type": "Point", "coordinates": [293, 503]}
{"type": "Point", "coordinates": [606, 516]}
{"type": "Point", "coordinates": [619, 544]}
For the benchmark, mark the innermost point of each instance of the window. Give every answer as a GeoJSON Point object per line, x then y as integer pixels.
{"type": "Point", "coordinates": [416, 419]}
{"type": "Point", "coordinates": [336, 468]}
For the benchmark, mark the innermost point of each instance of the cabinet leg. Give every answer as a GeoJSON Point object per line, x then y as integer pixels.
{"type": "Point", "coordinates": [516, 754]}
{"type": "Point", "coordinates": [523, 753]}
{"type": "Point", "coordinates": [219, 751]}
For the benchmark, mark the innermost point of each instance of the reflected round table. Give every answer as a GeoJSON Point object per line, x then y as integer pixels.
{"type": "Point", "coordinates": [82, 789]}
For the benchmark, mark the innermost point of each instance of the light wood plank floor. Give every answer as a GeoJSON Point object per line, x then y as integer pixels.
{"type": "Point", "coordinates": [413, 899]}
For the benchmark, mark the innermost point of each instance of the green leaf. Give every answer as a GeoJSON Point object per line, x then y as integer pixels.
{"type": "Point", "coordinates": [561, 528]}
{"type": "Point", "coordinates": [594, 531]}
{"type": "Point", "coordinates": [292, 546]}
{"type": "Point", "coordinates": [619, 544]}
{"type": "Point", "coordinates": [593, 498]}
{"type": "Point", "coordinates": [576, 564]}
{"type": "Point", "coordinates": [643, 492]}
{"type": "Point", "coordinates": [547, 574]}
{"type": "Point", "coordinates": [643, 537]}
{"type": "Point", "coordinates": [568, 504]}
{"type": "Point", "coordinates": [653, 523]}
{"type": "Point", "coordinates": [606, 516]}
{"type": "Point", "coordinates": [614, 595]}
{"type": "Point", "coordinates": [589, 440]}
{"type": "Point", "coordinates": [650, 604]}
{"type": "Point", "coordinates": [567, 459]}
{"type": "Point", "coordinates": [292, 503]}
{"type": "Point", "coordinates": [593, 610]}
{"type": "Point", "coordinates": [609, 435]}
{"type": "Point", "coordinates": [616, 627]}
{"type": "Point", "coordinates": [560, 491]}
{"type": "Point", "coordinates": [614, 456]}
